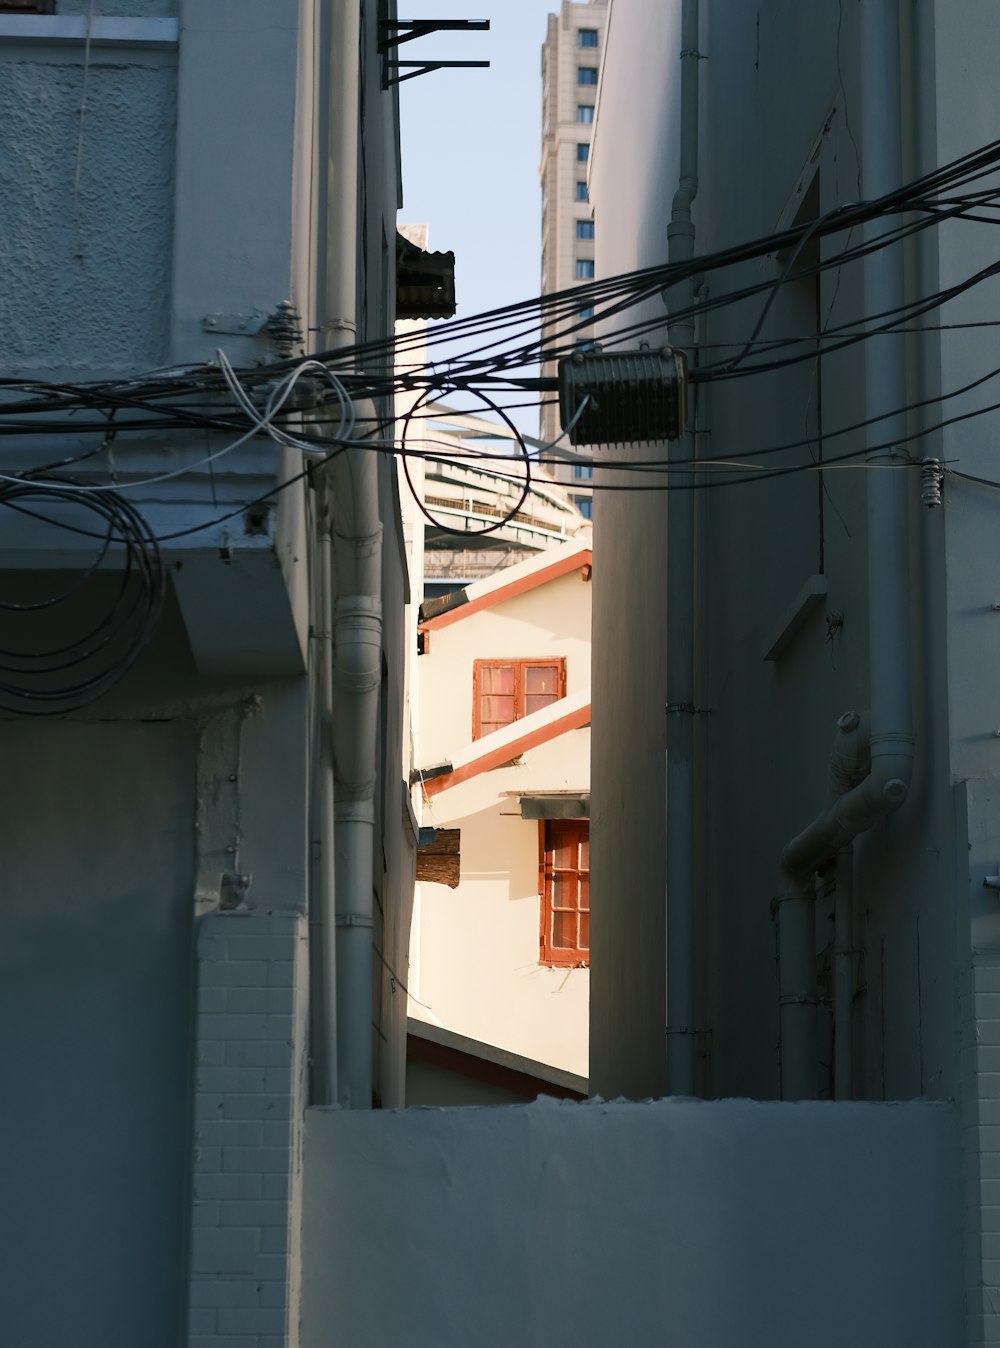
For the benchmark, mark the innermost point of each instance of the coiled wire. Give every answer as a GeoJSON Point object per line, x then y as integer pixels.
{"type": "Point", "coordinates": [67, 648]}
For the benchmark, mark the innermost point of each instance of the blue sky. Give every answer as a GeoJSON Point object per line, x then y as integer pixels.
{"type": "Point", "coordinates": [471, 141]}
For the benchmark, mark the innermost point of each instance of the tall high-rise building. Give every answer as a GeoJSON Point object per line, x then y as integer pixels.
{"type": "Point", "coordinates": [571, 57]}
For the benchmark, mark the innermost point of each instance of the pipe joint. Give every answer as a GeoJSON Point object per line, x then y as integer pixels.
{"type": "Point", "coordinates": [357, 810]}
{"type": "Point", "coordinates": [364, 608]}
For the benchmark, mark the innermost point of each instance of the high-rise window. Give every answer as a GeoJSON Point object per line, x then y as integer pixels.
{"type": "Point", "coordinates": [585, 507]}
{"type": "Point", "coordinates": [586, 74]}
{"type": "Point", "coordinates": [583, 470]}
{"type": "Point", "coordinates": [587, 311]}
{"type": "Point", "coordinates": [584, 229]}
{"type": "Point", "coordinates": [584, 268]}
{"type": "Point", "coordinates": [582, 153]}
{"type": "Point", "coordinates": [585, 112]}
{"type": "Point", "coordinates": [588, 37]}
{"type": "Point", "coordinates": [581, 192]}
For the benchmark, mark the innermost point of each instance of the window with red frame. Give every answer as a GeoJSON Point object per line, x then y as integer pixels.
{"type": "Point", "coordinates": [27, 6]}
{"type": "Point", "coordinates": [505, 690]}
{"type": "Point", "coordinates": [564, 886]}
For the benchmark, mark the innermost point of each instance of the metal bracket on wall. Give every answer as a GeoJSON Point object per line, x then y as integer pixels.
{"type": "Point", "coordinates": [393, 32]}
{"type": "Point", "coordinates": [237, 325]}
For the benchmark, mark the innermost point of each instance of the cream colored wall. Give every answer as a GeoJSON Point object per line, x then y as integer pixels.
{"type": "Point", "coordinates": [479, 970]}
{"type": "Point", "coordinates": [552, 620]}
{"type": "Point", "coordinates": [474, 950]}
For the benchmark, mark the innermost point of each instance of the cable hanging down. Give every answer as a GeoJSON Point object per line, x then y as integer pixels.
{"type": "Point", "coordinates": [105, 614]}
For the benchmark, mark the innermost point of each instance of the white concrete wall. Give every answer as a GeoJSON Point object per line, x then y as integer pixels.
{"type": "Point", "coordinates": [715, 1225]}
{"type": "Point", "coordinates": [96, 995]}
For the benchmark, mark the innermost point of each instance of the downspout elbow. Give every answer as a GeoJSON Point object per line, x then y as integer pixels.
{"type": "Point", "coordinates": [879, 794]}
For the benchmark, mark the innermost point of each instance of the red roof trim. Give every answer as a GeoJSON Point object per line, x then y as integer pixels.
{"type": "Point", "coordinates": [495, 758]}
{"type": "Point", "coordinates": [561, 567]}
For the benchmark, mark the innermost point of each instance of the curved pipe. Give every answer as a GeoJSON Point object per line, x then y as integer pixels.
{"type": "Point", "coordinates": [882, 791]}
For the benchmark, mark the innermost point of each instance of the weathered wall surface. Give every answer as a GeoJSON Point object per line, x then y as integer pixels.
{"type": "Point", "coordinates": [701, 1224]}
{"type": "Point", "coordinates": [86, 207]}
{"type": "Point", "coordinates": [96, 995]}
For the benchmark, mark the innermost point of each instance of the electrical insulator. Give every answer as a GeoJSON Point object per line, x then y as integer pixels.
{"type": "Point", "coordinates": [931, 482]}
{"type": "Point", "coordinates": [285, 329]}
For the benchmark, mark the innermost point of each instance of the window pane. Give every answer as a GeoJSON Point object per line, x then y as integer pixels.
{"type": "Point", "coordinates": [582, 153]}
{"type": "Point", "coordinates": [586, 509]}
{"type": "Point", "coordinates": [564, 931]}
{"type": "Point", "coordinates": [585, 850]}
{"type": "Point", "coordinates": [585, 892]}
{"type": "Point", "coordinates": [586, 74]}
{"type": "Point", "coordinates": [584, 269]}
{"type": "Point", "coordinates": [581, 192]}
{"type": "Point", "coordinates": [583, 470]}
{"type": "Point", "coordinates": [588, 37]}
{"type": "Point", "coordinates": [498, 710]}
{"type": "Point", "coordinates": [564, 881]}
{"type": "Point", "coordinates": [498, 678]}
{"type": "Point", "coordinates": [585, 113]}
{"type": "Point", "coordinates": [541, 679]}
{"type": "Point", "coordinates": [584, 229]}
{"type": "Point", "coordinates": [584, 931]}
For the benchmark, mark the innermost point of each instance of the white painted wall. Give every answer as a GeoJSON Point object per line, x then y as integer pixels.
{"type": "Point", "coordinates": [716, 1225]}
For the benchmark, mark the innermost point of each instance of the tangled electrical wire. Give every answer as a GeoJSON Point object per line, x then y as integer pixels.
{"type": "Point", "coordinates": [499, 350]}
{"type": "Point", "coordinates": [64, 646]}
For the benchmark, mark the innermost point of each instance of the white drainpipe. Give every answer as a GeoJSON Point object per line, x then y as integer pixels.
{"type": "Point", "coordinates": [885, 787]}
{"type": "Point", "coordinates": [357, 679]}
{"type": "Point", "coordinates": [680, 615]}
{"type": "Point", "coordinates": [351, 587]}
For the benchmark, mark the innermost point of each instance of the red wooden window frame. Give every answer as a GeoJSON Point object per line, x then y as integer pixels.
{"type": "Point", "coordinates": [27, 6]}
{"type": "Point", "coordinates": [520, 693]}
{"type": "Point", "coordinates": [564, 892]}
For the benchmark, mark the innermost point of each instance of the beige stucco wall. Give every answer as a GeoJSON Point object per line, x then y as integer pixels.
{"type": "Point", "coordinates": [478, 944]}
{"type": "Point", "coordinates": [474, 950]}
{"type": "Point", "coordinates": [552, 620]}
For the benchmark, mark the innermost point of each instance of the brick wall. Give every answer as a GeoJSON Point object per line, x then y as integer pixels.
{"type": "Point", "coordinates": [980, 1001]}
{"type": "Point", "coordinates": [250, 1055]}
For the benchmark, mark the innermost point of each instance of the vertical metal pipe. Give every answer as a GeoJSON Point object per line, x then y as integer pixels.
{"type": "Point", "coordinates": [323, 866]}
{"type": "Point", "coordinates": [843, 981]}
{"type": "Point", "coordinates": [680, 614]}
{"type": "Point", "coordinates": [887, 478]}
{"type": "Point", "coordinates": [797, 988]}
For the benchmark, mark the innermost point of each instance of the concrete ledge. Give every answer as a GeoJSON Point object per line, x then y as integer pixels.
{"type": "Point", "coordinates": [795, 615]}
{"type": "Point", "coordinates": [104, 32]}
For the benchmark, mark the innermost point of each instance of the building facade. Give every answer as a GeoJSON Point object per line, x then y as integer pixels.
{"type": "Point", "coordinates": [826, 638]}
{"type": "Point", "coordinates": [500, 948]}
{"type": "Point", "coordinates": [208, 843]}
{"type": "Point", "coordinates": [571, 58]}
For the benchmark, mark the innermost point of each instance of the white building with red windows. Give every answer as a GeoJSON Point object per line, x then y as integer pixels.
{"type": "Point", "coordinates": [502, 958]}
